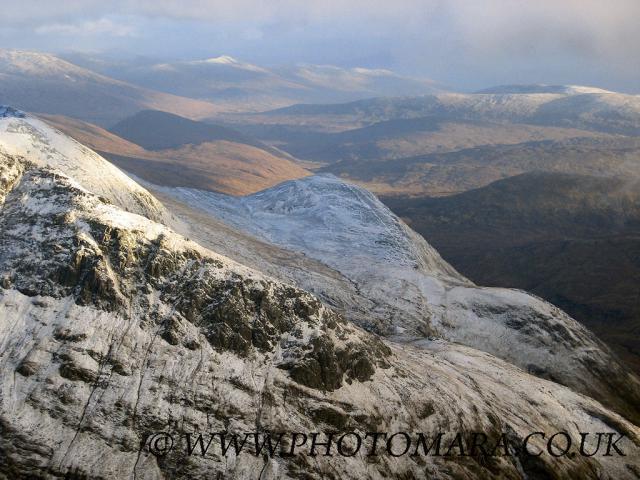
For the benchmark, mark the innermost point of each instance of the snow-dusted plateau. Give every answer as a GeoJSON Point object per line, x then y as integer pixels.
{"type": "Point", "coordinates": [128, 309]}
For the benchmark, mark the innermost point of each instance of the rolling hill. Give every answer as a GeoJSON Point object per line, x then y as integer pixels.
{"type": "Point", "coordinates": [447, 143]}
{"type": "Point", "coordinates": [568, 106]}
{"type": "Point", "coordinates": [396, 139]}
{"type": "Point", "coordinates": [220, 162]}
{"type": "Point", "coordinates": [157, 130]}
{"type": "Point", "coordinates": [447, 173]}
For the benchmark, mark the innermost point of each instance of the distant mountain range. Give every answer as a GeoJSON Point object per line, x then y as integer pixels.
{"type": "Point", "coordinates": [569, 106]}
{"type": "Point", "coordinates": [244, 86]}
{"type": "Point", "coordinates": [541, 88]}
{"type": "Point", "coordinates": [44, 83]}
{"type": "Point", "coordinates": [104, 92]}
{"type": "Point", "coordinates": [448, 143]}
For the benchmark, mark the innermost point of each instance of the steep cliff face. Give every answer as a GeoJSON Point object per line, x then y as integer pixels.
{"type": "Point", "coordinates": [410, 293]}
{"type": "Point", "coordinates": [114, 328]}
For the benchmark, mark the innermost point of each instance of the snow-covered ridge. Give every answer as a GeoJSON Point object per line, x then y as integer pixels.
{"type": "Point", "coordinates": [416, 295]}
{"type": "Point", "coordinates": [328, 217]}
{"type": "Point", "coordinates": [43, 65]}
{"type": "Point", "coordinates": [229, 61]}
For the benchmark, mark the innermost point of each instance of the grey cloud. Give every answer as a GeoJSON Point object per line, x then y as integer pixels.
{"type": "Point", "coordinates": [102, 26]}
{"type": "Point", "coordinates": [562, 38]}
{"type": "Point", "coordinates": [589, 26]}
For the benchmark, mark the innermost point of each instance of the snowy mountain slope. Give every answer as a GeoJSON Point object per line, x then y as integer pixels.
{"type": "Point", "coordinates": [343, 227]}
{"type": "Point", "coordinates": [416, 294]}
{"type": "Point", "coordinates": [542, 88]}
{"type": "Point", "coordinates": [113, 327]}
{"type": "Point", "coordinates": [296, 268]}
{"type": "Point", "coordinates": [27, 136]}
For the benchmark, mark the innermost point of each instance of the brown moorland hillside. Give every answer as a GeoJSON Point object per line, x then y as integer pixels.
{"type": "Point", "coordinates": [220, 165]}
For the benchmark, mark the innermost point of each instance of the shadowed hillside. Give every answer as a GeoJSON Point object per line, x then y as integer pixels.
{"type": "Point", "coordinates": [156, 130]}
{"type": "Point", "coordinates": [574, 240]}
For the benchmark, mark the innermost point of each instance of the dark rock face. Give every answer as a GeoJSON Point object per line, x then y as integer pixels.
{"type": "Point", "coordinates": [107, 267]}
{"type": "Point", "coordinates": [323, 367]}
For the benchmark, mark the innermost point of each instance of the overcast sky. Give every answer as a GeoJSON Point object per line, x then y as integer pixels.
{"type": "Point", "coordinates": [466, 44]}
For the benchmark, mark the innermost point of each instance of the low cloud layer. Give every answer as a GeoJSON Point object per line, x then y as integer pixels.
{"type": "Point", "coordinates": [465, 43]}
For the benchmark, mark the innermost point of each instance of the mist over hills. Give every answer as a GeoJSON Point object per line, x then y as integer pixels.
{"type": "Point", "coordinates": [242, 86]}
